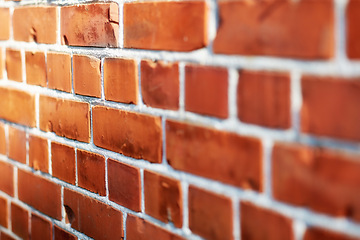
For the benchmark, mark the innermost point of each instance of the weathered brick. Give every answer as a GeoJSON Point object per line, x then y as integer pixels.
{"type": "Point", "coordinates": [38, 153]}
{"type": "Point", "coordinates": [7, 178]}
{"type": "Point", "coordinates": [4, 212]}
{"type": "Point", "coordinates": [314, 233]}
{"type": "Point", "coordinates": [3, 141]}
{"type": "Point", "coordinates": [353, 35]}
{"type": "Point", "coordinates": [20, 221]}
{"type": "Point", "coordinates": [59, 71]}
{"type": "Point", "coordinates": [40, 228]}
{"type": "Point", "coordinates": [35, 68]}
{"type": "Point", "coordinates": [5, 236]}
{"type": "Point", "coordinates": [61, 234]}
{"type": "Point", "coordinates": [14, 65]}
{"type": "Point", "coordinates": [17, 145]}
{"type": "Point", "coordinates": [63, 162]}
{"type": "Point", "coordinates": [4, 23]}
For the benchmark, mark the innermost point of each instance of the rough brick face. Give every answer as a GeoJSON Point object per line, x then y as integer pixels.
{"type": "Point", "coordinates": [353, 35]}
{"type": "Point", "coordinates": [59, 71]}
{"type": "Point", "coordinates": [185, 28]}
{"type": "Point", "coordinates": [4, 212]}
{"type": "Point", "coordinates": [160, 84]}
{"type": "Point", "coordinates": [60, 234]}
{"type": "Point", "coordinates": [324, 180]}
{"type": "Point", "coordinates": [129, 133]}
{"type": "Point", "coordinates": [38, 153]}
{"type": "Point", "coordinates": [4, 23]}
{"type": "Point", "coordinates": [222, 156]}
{"type": "Point", "coordinates": [3, 141]}
{"type": "Point", "coordinates": [17, 145]}
{"type": "Point", "coordinates": [318, 233]}
{"type": "Point", "coordinates": [19, 221]}
{"type": "Point", "coordinates": [94, 25]}
{"type": "Point", "coordinates": [7, 178]}
{"type": "Point", "coordinates": [40, 228]}
{"type": "Point", "coordinates": [300, 29]}
{"type": "Point", "coordinates": [63, 162]}
{"type": "Point", "coordinates": [35, 68]}
{"type": "Point", "coordinates": [5, 236]}
{"type": "Point", "coordinates": [13, 65]}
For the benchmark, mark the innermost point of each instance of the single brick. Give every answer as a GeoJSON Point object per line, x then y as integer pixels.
{"type": "Point", "coordinates": [185, 28]}
{"type": "Point", "coordinates": [84, 213]}
{"type": "Point", "coordinates": [325, 181]}
{"type": "Point", "coordinates": [3, 141]}
{"type": "Point", "coordinates": [35, 24]}
{"type": "Point", "coordinates": [140, 229]}
{"type": "Point", "coordinates": [35, 68]}
{"type": "Point", "coordinates": [214, 154]}
{"type": "Point", "coordinates": [55, 117]}
{"type": "Point", "coordinates": [259, 223]}
{"type": "Point", "coordinates": [17, 106]}
{"type": "Point", "coordinates": [330, 107]}
{"type": "Point", "coordinates": [206, 90]}
{"type": "Point", "coordinates": [20, 221]}
{"type": "Point", "coordinates": [299, 29]}
{"type": "Point", "coordinates": [17, 145]}
{"type": "Point", "coordinates": [91, 171]}
{"type": "Point", "coordinates": [7, 178]}
{"type": "Point", "coordinates": [63, 162]}
{"type": "Point", "coordinates": [314, 233]}
{"type": "Point", "coordinates": [40, 193]}
{"type": "Point", "coordinates": [121, 80]}
{"type": "Point", "coordinates": [4, 212]}
{"type": "Point", "coordinates": [4, 23]}
{"type": "Point", "coordinates": [14, 65]}
{"type": "Point", "coordinates": [353, 35]}
{"type": "Point", "coordinates": [59, 71]}
{"type": "Point", "coordinates": [61, 234]}
{"type": "Point", "coordinates": [1, 65]}
{"type": "Point", "coordinates": [160, 84]}
{"type": "Point", "coordinates": [87, 77]}
{"type": "Point", "coordinates": [263, 98]}
{"type": "Point", "coordinates": [163, 198]}
{"type": "Point", "coordinates": [132, 134]}
{"type": "Point", "coordinates": [210, 215]}
{"type": "Point", "coordinates": [95, 24]}
{"type": "Point", "coordinates": [40, 228]}
{"type": "Point", "coordinates": [124, 185]}
{"type": "Point", "coordinates": [38, 153]}
{"type": "Point", "coordinates": [5, 236]}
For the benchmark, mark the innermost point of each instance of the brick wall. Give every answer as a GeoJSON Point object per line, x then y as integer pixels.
{"type": "Point", "coordinates": [229, 119]}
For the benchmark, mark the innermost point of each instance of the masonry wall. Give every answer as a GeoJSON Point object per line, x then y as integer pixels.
{"type": "Point", "coordinates": [236, 119]}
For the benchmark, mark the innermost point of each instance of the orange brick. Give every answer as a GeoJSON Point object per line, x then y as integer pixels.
{"type": "Point", "coordinates": [218, 155]}
{"type": "Point", "coordinates": [138, 136]}
{"type": "Point", "coordinates": [160, 84]}
{"type": "Point", "coordinates": [4, 23]}
{"type": "Point", "coordinates": [87, 213]}
{"type": "Point", "coordinates": [263, 98]}
{"type": "Point", "coordinates": [301, 29]}
{"type": "Point", "coordinates": [210, 215]}
{"type": "Point", "coordinates": [35, 24]}
{"type": "Point", "coordinates": [38, 153]}
{"type": "Point", "coordinates": [35, 68]}
{"type": "Point", "coordinates": [40, 228]}
{"type": "Point", "coordinates": [1, 65]}
{"type": "Point", "coordinates": [20, 221]}
{"type": "Point", "coordinates": [5, 236]}
{"type": "Point", "coordinates": [206, 90]}
{"type": "Point", "coordinates": [7, 178]}
{"type": "Point", "coordinates": [185, 28]}
{"type": "Point", "coordinates": [353, 35]}
{"type": "Point", "coordinates": [124, 185]}
{"type": "Point", "coordinates": [318, 233]}
{"type": "Point", "coordinates": [3, 141]}
{"type": "Point", "coordinates": [63, 162]}
{"type": "Point", "coordinates": [320, 179]}
{"type": "Point", "coordinates": [139, 229]}
{"type": "Point", "coordinates": [163, 198]}
{"type": "Point", "coordinates": [91, 171]}
{"type": "Point", "coordinates": [45, 197]}
{"type": "Point", "coordinates": [95, 24]}
{"type": "Point", "coordinates": [55, 117]}
{"type": "Point", "coordinates": [259, 223]}
{"type": "Point", "coordinates": [87, 77]}
{"type": "Point", "coordinates": [59, 71]}
{"type": "Point", "coordinates": [4, 212]}
{"type": "Point", "coordinates": [14, 65]}
{"type": "Point", "coordinates": [17, 145]}
{"type": "Point", "coordinates": [61, 234]}
{"type": "Point", "coordinates": [121, 80]}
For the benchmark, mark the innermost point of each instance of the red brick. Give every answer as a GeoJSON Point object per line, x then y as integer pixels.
{"type": "Point", "coordinates": [4, 212]}
{"type": "Point", "coordinates": [214, 154]}
{"type": "Point", "coordinates": [38, 153]}
{"type": "Point", "coordinates": [263, 98]}
{"type": "Point", "coordinates": [210, 215]}
{"type": "Point", "coordinates": [318, 233]}
{"type": "Point", "coordinates": [301, 29]}
{"type": "Point", "coordinates": [353, 35]}
{"type": "Point", "coordinates": [14, 65]}
{"type": "Point", "coordinates": [88, 213]}
{"type": "Point", "coordinates": [259, 223]}
{"type": "Point", "coordinates": [206, 90]}
{"type": "Point", "coordinates": [3, 142]}
{"type": "Point", "coordinates": [323, 180]}
{"type": "Point", "coordinates": [5, 236]}
{"type": "Point", "coordinates": [132, 134]}
{"type": "Point", "coordinates": [124, 185]}
{"type": "Point", "coordinates": [17, 106]}
{"type": "Point", "coordinates": [95, 24]}
{"type": "Point", "coordinates": [163, 198]}
{"type": "Point", "coordinates": [1, 64]}
{"type": "Point", "coordinates": [87, 77]}
{"type": "Point", "coordinates": [63, 162]}
{"type": "Point", "coordinates": [7, 178]}
{"type": "Point", "coordinates": [40, 193]}
{"type": "Point", "coordinates": [140, 229]}
{"type": "Point", "coordinates": [35, 24]}
{"type": "Point", "coordinates": [121, 80]}
{"type": "Point", "coordinates": [91, 171]}
{"type": "Point", "coordinates": [185, 28]}
{"type": "Point", "coordinates": [330, 107]}
{"type": "Point", "coordinates": [35, 68]}
{"type": "Point", "coordinates": [40, 228]}
{"type": "Point", "coordinates": [20, 221]}
{"type": "Point", "coordinates": [59, 71]}
{"type": "Point", "coordinates": [61, 234]}
{"type": "Point", "coordinates": [55, 117]}
{"type": "Point", "coordinates": [17, 145]}
{"type": "Point", "coordinates": [160, 84]}
{"type": "Point", "coordinates": [4, 23]}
